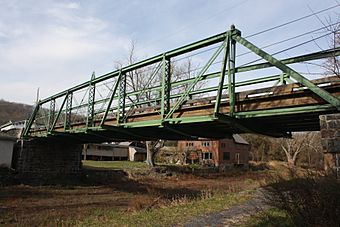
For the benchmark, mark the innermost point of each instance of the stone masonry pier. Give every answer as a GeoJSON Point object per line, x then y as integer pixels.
{"type": "Point", "coordinates": [48, 158]}
{"type": "Point", "coordinates": [330, 139]}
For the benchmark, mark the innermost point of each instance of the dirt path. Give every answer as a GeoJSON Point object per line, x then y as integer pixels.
{"type": "Point", "coordinates": [232, 215]}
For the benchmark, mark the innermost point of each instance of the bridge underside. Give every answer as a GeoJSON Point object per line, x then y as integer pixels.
{"type": "Point", "coordinates": [214, 127]}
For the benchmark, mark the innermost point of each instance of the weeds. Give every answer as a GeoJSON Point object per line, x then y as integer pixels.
{"type": "Point", "coordinates": [106, 194]}
{"type": "Point", "coordinates": [310, 200]}
{"type": "Point", "coordinates": [269, 218]}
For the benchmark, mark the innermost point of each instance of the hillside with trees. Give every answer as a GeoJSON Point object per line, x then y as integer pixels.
{"type": "Point", "coordinates": [11, 111]}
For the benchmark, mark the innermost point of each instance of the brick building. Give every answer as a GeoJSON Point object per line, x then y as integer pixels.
{"type": "Point", "coordinates": [223, 153]}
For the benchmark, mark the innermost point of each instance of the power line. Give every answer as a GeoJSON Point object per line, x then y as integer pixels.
{"type": "Point", "coordinates": [288, 39]}
{"type": "Point", "coordinates": [272, 44]}
{"type": "Point", "coordinates": [185, 27]}
{"type": "Point", "coordinates": [200, 52]}
{"type": "Point", "coordinates": [264, 31]}
{"type": "Point", "coordinates": [272, 28]}
{"type": "Point", "coordinates": [292, 21]}
{"type": "Point", "coordinates": [292, 47]}
{"type": "Point", "coordinates": [281, 51]}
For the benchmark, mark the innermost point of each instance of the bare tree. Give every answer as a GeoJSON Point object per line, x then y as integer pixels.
{"type": "Point", "coordinates": [314, 149]}
{"type": "Point", "coordinates": [140, 80]}
{"type": "Point", "coordinates": [332, 64]}
{"type": "Point", "coordinates": [152, 148]}
{"type": "Point", "coordinates": [299, 142]}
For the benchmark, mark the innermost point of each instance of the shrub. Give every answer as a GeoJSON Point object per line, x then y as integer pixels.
{"type": "Point", "coordinates": [311, 200]}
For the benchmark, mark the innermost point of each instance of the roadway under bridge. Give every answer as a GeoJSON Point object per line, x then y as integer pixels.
{"type": "Point", "coordinates": [151, 100]}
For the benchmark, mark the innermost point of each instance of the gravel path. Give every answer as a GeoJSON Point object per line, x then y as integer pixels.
{"type": "Point", "coordinates": [232, 215]}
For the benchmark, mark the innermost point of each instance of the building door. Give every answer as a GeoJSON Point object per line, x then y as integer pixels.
{"type": "Point", "coordinates": [237, 158]}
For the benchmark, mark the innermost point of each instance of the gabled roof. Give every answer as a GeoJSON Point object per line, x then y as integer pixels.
{"type": "Point", "coordinates": [239, 139]}
{"type": "Point", "coordinates": [127, 143]}
{"type": "Point", "coordinates": [12, 125]}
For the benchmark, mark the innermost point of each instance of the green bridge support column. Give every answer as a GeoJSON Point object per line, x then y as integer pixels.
{"type": "Point", "coordinates": [330, 139]}
{"type": "Point", "coordinates": [46, 158]}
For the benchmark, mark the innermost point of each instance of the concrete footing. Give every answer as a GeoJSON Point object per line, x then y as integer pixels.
{"type": "Point", "coordinates": [330, 140]}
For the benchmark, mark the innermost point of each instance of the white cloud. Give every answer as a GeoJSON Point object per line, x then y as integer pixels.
{"type": "Point", "coordinates": [70, 5]}
{"type": "Point", "coordinates": [56, 53]}
{"type": "Point", "coordinates": [57, 44]}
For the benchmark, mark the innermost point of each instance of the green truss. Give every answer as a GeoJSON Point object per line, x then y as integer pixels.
{"type": "Point", "coordinates": [167, 102]}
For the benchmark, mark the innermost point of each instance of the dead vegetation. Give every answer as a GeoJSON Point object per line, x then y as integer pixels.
{"type": "Point", "coordinates": [112, 194]}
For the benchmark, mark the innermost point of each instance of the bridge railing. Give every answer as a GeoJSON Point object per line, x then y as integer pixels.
{"type": "Point", "coordinates": [163, 84]}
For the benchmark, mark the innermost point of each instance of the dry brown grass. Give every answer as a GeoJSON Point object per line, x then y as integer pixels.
{"type": "Point", "coordinates": [51, 205]}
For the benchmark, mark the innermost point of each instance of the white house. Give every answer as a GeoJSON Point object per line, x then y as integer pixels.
{"type": "Point", "coordinates": [6, 150]}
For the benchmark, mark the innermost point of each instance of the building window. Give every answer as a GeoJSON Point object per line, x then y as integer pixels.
{"type": "Point", "coordinates": [205, 144]}
{"type": "Point", "coordinates": [206, 155]}
{"type": "Point", "coordinates": [223, 145]}
{"type": "Point", "coordinates": [226, 155]}
{"type": "Point", "coordinates": [237, 157]}
{"type": "Point", "coordinates": [189, 144]}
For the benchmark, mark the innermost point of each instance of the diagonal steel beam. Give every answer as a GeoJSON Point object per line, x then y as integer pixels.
{"type": "Point", "coordinates": [334, 101]}
{"type": "Point", "coordinates": [58, 115]}
{"type": "Point", "coordinates": [111, 98]}
{"type": "Point", "coordinates": [30, 121]}
{"type": "Point", "coordinates": [199, 77]}
{"type": "Point", "coordinates": [297, 59]}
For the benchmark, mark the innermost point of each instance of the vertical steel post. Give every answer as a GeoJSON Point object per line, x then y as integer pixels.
{"type": "Point", "coordinates": [91, 100]}
{"type": "Point", "coordinates": [231, 73]}
{"type": "Point", "coordinates": [68, 111]}
{"type": "Point", "coordinates": [51, 114]}
{"type": "Point", "coordinates": [166, 87]}
{"type": "Point", "coordinates": [222, 76]}
{"type": "Point", "coordinates": [121, 98]}
{"type": "Point", "coordinates": [282, 79]}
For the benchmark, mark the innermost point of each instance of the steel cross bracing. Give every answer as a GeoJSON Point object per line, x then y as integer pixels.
{"type": "Point", "coordinates": [157, 110]}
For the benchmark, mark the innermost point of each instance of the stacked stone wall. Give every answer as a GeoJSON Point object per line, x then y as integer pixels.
{"type": "Point", "coordinates": [330, 140]}
{"type": "Point", "coordinates": [40, 157]}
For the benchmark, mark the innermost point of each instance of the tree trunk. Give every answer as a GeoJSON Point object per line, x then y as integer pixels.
{"type": "Point", "coordinates": [150, 153]}
{"type": "Point", "coordinates": [152, 148]}
{"type": "Point", "coordinates": [291, 160]}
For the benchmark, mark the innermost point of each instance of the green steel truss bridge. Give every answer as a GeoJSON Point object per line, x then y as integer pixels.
{"type": "Point", "coordinates": [149, 100]}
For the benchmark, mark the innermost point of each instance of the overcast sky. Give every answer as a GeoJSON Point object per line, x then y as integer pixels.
{"type": "Point", "coordinates": [54, 45]}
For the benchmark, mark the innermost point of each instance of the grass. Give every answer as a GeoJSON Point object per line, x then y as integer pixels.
{"type": "Point", "coordinates": [190, 166]}
{"type": "Point", "coordinates": [151, 199]}
{"type": "Point", "coordinates": [126, 165]}
{"type": "Point", "coordinates": [269, 218]}
{"type": "Point", "coordinates": [121, 165]}
{"type": "Point", "coordinates": [176, 213]}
